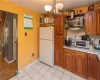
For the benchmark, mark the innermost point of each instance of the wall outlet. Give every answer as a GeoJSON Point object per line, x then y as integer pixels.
{"type": "Point", "coordinates": [32, 54]}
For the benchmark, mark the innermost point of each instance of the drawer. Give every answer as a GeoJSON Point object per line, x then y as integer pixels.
{"type": "Point", "coordinates": [92, 56]}
{"type": "Point", "coordinates": [74, 52]}
{"type": "Point", "coordinates": [68, 51]}
{"type": "Point", "coordinates": [79, 53]}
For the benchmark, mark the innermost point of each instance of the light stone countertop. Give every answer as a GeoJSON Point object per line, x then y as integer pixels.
{"type": "Point", "coordinates": [90, 51]}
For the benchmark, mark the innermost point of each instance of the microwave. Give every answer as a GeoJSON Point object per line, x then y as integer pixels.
{"type": "Point", "coordinates": [82, 44]}
{"type": "Point", "coordinates": [76, 22]}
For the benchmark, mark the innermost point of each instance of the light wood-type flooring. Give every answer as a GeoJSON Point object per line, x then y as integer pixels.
{"type": "Point", "coordinates": [7, 70]}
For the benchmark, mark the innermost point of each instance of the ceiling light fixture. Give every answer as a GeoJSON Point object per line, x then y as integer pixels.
{"type": "Point", "coordinates": [48, 8]}
{"type": "Point", "coordinates": [59, 6]}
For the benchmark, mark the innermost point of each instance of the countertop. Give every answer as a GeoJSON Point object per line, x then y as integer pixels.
{"type": "Point", "coordinates": [91, 51]}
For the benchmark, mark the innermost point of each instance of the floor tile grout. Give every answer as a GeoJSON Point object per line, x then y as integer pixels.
{"type": "Point", "coordinates": [27, 73]}
{"type": "Point", "coordinates": [44, 66]}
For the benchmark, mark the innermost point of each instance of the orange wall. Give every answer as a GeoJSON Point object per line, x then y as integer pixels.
{"type": "Point", "coordinates": [29, 44]}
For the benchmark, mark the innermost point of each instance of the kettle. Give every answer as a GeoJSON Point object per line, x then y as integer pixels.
{"type": "Point", "coordinates": [96, 44]}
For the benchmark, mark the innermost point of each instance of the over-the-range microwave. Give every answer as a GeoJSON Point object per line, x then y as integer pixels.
{"type": "Point", "coordinates": [76, 22]}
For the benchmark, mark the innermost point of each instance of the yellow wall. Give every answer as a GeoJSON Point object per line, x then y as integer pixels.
{"type": "Point", "coordinates": [29, 44]}
{"type": "Point", "coordinates": [85, 8]}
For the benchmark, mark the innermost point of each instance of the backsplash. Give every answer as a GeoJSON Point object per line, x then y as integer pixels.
{"type": "Point", "coordinates": [75, 34]}
{"type": "Point", "coordinates": [95, 37]}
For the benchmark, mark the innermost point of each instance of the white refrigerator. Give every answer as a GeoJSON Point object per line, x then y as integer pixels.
{"type": "Point", "coordinates": [46, 49]}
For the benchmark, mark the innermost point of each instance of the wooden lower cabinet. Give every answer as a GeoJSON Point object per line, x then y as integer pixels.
{"type": "Point", "coordinates": [68, 60]}
{"type": "Point", "coordinates": [93, 67]}
{"type": "Point", "coordinates": [75, 62]}
{"type": "Point", "coordinates": [59, 50]}
{"type": "Point", "coordinates": [99, 72]}
{"type": "Point", "coordinates": [80, 64]}
{"type": "Point", "coordinates": [59, 56]}
{"type": "Point", "coordinates": [83, 64]}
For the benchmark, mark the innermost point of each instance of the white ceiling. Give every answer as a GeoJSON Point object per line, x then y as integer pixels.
{"type": "Point", "coordinates": [38, 5]}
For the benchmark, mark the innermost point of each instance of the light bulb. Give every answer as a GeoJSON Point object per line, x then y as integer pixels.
{"type": "Point", "coordinates": [59, 6]}
{"type": "Point", "coordinates": [48, 7]}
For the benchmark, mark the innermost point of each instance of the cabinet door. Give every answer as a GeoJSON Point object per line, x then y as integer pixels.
{"type": "Point", "coordinates": [99, 72]}
{"type": "Point", "coordinates": [59, 24]}
{"type": "Point", "coordinates": [59, 50]}
{"type": "Point", "coordinates": [90, 23]}
{"type": "Point", "coordinates": [98, 21]}
{"type": "Point", "coordinates": [59, 58]}
{"type": "Point", "coordinates": [92, 67]}
{"type": "Point", "coordinates": [68, 58]}
{"type": "Point", "coordinates": [80, 65]}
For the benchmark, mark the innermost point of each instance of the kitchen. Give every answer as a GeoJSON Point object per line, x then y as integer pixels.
{"type": "Point", "coordinates": [77, 41]}
{"type": "Point", "coordinates": [57, 39]}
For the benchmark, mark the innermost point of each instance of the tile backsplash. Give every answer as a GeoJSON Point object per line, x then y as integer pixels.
{"type": "Point", "coordinates": [95, 37]}
{"type": "Point", "coordinates": [75, 34]}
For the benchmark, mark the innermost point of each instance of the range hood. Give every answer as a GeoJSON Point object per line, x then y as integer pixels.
{"type": "Point", "coordinates": [75, 29]}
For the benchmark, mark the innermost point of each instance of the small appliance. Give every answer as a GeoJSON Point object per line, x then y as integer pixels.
{"type": "Point", "coordinates": [97, 44]}
{"type": "Point", "coordinates": [85, 37]}
{"type": "Point", "coordinates": [78, 21]}
{"type": "Point", "coordinates": [82, 43]}
{"type": "Point", "coordinates": [68, 42]}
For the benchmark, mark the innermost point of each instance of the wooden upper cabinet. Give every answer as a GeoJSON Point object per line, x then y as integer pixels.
{"type": "Point", "coordinates": [59, 42]}
{"type": "Point", "coordinates": [59, 39]}
{"type": "Point", "coordinates": [90, 23]}
{"type": "Point", "coordinates": [68, 59]}
{"type": "Point", "coordinates": [59, 50]}
{"type": "Point", "coordinates": [80, 64]}
{"type": "Point", "coordinates": [59, 24]}
{"type": "Point", "coordinates": [93, 64]}
{"type": "Point", "coordinates": [98, 21]}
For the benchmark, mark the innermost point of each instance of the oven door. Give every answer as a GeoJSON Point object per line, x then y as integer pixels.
{"type": "Point", "coordinates": [80, 44]}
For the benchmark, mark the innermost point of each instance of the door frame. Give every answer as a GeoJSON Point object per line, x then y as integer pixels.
{"type": "Point", "coordinates": [16, 39]}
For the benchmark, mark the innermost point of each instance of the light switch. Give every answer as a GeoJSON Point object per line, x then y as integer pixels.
{"type": "Point", "coordinates": [25, 33]}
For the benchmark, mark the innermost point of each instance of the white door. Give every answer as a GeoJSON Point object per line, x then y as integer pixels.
{"type": "Point", "coordinates": [14, 38]}
{"type": "Point", "coordinates": [47, 33]}
{"type": "Point", "coordinates": [47, 52]}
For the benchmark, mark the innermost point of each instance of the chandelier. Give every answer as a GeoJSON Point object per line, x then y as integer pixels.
{"type": "Point", "coordinates": [55, 9]}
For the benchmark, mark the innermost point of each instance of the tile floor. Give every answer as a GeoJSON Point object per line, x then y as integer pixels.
{"type": "Point", "coordinates": [41, 71]}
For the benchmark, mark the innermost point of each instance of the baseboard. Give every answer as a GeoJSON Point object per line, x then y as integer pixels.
{"type": "Point", "coordinates": [28, 65]}
{"type": "Point", "coordinates": [8, 61]}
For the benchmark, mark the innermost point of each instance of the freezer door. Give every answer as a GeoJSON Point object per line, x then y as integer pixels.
{"type": "Point", "coordinates": [47, 52]}
{"type": "Point", "coordinates": [47, 33]}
